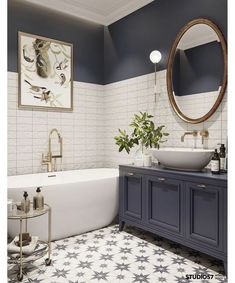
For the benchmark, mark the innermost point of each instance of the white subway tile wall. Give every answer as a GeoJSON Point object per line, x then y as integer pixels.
{"type": "Point", "coordinates": [123, 99]}
{"type": "Point", "coordinates": [89, 130]}
{"type": "Point", "coordinates": [198, 104]}
{"type": "Point", "coordinates": [82, 131]}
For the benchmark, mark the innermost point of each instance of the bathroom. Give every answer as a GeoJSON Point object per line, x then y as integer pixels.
{"type": "Point", "coordinates": [116, 167]}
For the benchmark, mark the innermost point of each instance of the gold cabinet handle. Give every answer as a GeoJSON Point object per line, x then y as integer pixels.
{"type": "Point", "coordinates": [202, 186]}
{"type": "Point", "coordinates": [161, 179]}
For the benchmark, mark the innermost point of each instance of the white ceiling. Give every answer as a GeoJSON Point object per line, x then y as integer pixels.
{"type": "Point", "coordinates": [104, 12]}
{"type": "Point", "coordinates": [197, 35]}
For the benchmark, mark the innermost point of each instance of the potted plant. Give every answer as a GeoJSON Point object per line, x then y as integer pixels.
{"type": "Point", "coordinates": [145, 134]}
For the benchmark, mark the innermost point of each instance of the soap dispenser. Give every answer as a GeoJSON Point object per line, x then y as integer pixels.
{"type": "Point", "coordinates": [222, 155]}
{"type": "Point", "coordinates": [25, 203]}
{"type": "Point", "coordinates": [38, 200]}
{"type": "Point", "coordinates": [215, 163]}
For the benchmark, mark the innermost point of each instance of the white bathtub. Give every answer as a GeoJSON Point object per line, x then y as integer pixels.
{"type": "Point", "coordinates": [81, 200]}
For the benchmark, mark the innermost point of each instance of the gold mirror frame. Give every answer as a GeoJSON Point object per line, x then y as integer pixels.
{"type": "Point", "coordinates": [170, 71]}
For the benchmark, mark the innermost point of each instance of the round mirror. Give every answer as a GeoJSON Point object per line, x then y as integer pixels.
{"type": "Point", "coordinates": [197, 71]}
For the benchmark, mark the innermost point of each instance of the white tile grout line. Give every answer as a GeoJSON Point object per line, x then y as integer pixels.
{"type": "Point", "coordinates": [118, 102]}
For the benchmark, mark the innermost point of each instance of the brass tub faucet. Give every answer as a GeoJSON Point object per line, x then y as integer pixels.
{"type": "Point", "coordinates": [50, 159]}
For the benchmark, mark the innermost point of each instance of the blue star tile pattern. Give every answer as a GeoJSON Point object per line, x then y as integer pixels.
{"type": "Point", "coordinates": [161, 269]}
{"type": "Point", "coordinates": [99, 236]}
{"type": "Point", "coordinates": [100, 275]}
{"type": "Point", "coordinates": [159, 252]}
{"type": "Point", "coordinates": [60, 273]}
{"type": "Point", "coordinates": [162, 279]}
{"type": "Point", "coordinates": [85, 264]}
{"type": "Point", "coordinates": [178, 260]}
{"type": "Point", "coordinates": [61, 247]}
{"type": "Point", "coordinates": [125, 250]}
{"type": "Point", "coordinates": [120, 277]}
{"type": "Point", "coordinates": [141, 278]}
{"type": "Point", "coordinates": [122, 266]}
{"type": "Point", "coordinates": [130, 256]}
{"type": "Point", "coordinates": [92, 249]}
{"type": "Point", "coordinates": [72, 255]}
{"type": "Point", "coordinates": [106, 257]}
{"type": "Point", "coordinates": [142, 259]}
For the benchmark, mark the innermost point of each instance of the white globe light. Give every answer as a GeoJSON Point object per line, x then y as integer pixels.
{"type": "Point", "coordinates": [155, 56]}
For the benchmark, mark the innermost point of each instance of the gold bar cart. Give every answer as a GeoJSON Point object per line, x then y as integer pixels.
{"type": "Point", "coordinates": [42, 247]}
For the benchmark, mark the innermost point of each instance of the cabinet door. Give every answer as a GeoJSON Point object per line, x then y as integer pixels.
{"type": "Point", "coordinates": [165, 204]}
{"type": "Point", "coordinates": [131, 196]}
{"type": "Point", "coordinates": [203, 214]}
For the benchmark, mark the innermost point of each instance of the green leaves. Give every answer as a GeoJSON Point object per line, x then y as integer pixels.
{"type": "Point", "coordinates": [144, 133]}
{"type": "Point", "coordinates": [123, 141]}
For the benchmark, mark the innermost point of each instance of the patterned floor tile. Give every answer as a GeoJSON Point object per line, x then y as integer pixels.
{"type": "Point", "coordinates": [131, 256]}
{"type": "Point", "coordinates": [121, 276]}
{"type": "Point", "coordinates": [124, 256]}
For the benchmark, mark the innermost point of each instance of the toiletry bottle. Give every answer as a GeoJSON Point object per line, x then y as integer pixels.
{"type": "Point", "coordinates": [222, 157]}
{"type": "Point", "coordinates": [38, 200]}
{"type": "Point", "coordinates": [215, 163]}
{"type": "Point", "coordinates": [25, 203]}
{"type": "Point", "coordinates": [226, 156]}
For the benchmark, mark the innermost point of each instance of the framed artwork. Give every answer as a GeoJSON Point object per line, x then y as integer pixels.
{"type": "Point", "coordinates": [45, 68]}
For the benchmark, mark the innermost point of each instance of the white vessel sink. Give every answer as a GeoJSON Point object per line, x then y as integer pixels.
{"type": "Point", "coordinates": [186, 159]}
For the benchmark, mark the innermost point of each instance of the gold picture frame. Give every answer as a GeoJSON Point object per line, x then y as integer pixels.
{"type": "Point", "coordinates": [45, 71]}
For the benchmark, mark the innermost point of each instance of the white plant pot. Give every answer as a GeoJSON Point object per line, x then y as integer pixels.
{"type": "Point", "coordinates": [139, 162]}
{"type": "Point", "coordinates": [142, 158]}
{"type": "Point", "coordinates": [139, 157]}
{"type": "Point", "coordinates": [147, 160]}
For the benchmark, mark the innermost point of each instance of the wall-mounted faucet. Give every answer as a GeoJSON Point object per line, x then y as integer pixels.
{"type": "Point", "coordinates": [204, 134]}
{"type": "Point", "coordinates": [48, 159]}
{"type": "Point", "coordinates": [193, 133]}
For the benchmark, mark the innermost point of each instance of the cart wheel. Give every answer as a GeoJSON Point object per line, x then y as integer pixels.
{"type": "Point", "coordinates": [48, 261]}
{"type": "Point", "coordinates": [20, 278]}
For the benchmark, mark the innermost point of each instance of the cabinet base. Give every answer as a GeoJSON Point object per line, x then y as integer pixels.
{"type": "Point", "coordinates": [225, 267]}
{"type": "Point", "coordinates": [121, 225]}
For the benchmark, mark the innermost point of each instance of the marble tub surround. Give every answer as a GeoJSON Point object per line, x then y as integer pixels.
{"type": "Point", "coordinates": [107, 255]}
{"type": "Point", "coordinates": [88, 131]}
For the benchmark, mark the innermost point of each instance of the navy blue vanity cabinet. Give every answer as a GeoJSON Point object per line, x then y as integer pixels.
{"type": "Point", "coordinates": [186, 207]}
{"type": "Point", "coordinates": [165, 205]}
{"type": "Point", "coordinates": [204, 215]}
{"type": "Point", "coordinates": [131, 196]}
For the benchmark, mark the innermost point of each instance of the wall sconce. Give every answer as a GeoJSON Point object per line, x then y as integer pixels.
{"type": "Point", "coordinates": [155, 57]}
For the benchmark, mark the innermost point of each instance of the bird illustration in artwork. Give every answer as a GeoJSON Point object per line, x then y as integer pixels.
{"type": "Point", "coordinates": [35, 87]}
{"type": "Point", "coordinates": [44, 96]}
{"type": "Point", "coordinates": [27, 58]}
{"type": "Point", "coordinates": [62, 79]}
{"type": "Point", "coordinates": [62, 65]}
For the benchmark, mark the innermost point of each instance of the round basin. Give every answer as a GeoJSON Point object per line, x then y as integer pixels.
{"type": "Point", "coordinates": [186, 159]}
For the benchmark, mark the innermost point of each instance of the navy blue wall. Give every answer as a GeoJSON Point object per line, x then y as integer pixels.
{"type": "Point", "coordinates": [87, 37]}
{"type": "Point", "coordinates": [120, 51]}
{"type": "Point", "coordinates": [198, 69]}
{"type": "Point", "coordinates": [129, 41]}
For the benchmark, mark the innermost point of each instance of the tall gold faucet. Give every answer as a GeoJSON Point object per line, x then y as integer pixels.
{"type": "Point", "coordinates": [48, 159]}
